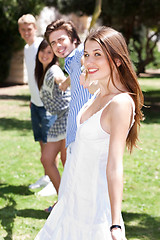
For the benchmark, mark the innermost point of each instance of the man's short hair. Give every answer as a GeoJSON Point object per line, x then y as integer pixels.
{"type": "Point", "coordinates": [27, 19]}
{"type": "Point", "coordinates": [61, 24]}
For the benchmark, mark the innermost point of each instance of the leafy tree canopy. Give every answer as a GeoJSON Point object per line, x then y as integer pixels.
{"type": "Point", "coordinates": [10, 40]}
{"type": "Point", "coordinates": [134, 18]}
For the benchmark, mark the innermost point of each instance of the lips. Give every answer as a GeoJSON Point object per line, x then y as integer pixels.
{"type": "Point", "coordinates": [92, 70]}
{"type": "Point", "coordinates": [61, 51]}
{"type": "Point", "coordinates": [26, 36]}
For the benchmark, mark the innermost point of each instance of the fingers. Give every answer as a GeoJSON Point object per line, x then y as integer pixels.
{"type": "Point", "coordinates": [63, 87]}
{"type": "Point", "coordinates": [84, 80]}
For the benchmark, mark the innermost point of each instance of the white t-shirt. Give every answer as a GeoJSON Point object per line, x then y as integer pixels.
{"type": "Point", "coordinates": [30, 57]}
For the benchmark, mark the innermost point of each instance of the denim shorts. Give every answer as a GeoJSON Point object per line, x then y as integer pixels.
{"type": "Point", "coordinates": [41, 122]}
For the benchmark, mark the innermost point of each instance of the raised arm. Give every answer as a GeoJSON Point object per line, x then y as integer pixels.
{"type": "Point", "coordinates": [85, 82]}
{"type": "Point", "coordinates": [63, 85]}
{"type": "Point", "coordinates": [48, 92]}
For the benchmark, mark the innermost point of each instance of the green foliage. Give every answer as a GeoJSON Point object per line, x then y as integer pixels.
{"type": "Point", "coordinates": [135, 19]}
{"type": "Point", "coordinates": [143, 49]}
{"type": "Point", "coordinates": [156, 63]}
{"type": "Point", "coordinates": [127, 16]}
{"type": "Point", "coordinates": [10, 41]}
{"type": "Point", "coordinates": [68, 6]}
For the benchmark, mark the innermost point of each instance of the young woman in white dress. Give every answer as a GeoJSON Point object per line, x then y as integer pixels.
{"type": "Point", "coordinates": [90, 194]}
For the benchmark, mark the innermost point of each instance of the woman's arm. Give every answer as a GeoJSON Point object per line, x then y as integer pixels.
{"type": "Point", "coordinates": [47, 92]}
{"type": "Point", "coordinates": [59, 76]}
{"type": "Point", "coordinates": [119, 121]}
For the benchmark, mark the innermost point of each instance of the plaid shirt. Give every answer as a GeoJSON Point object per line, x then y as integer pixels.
{"type": "Point", "coordinates": [79, 95]}
{"type": "Point", "coordinates": [56, 103]}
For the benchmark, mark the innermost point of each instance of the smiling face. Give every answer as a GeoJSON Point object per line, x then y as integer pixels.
{"type": "Point", "coordinates": [27, 32]}
{"type": "Point", "coordinates": [95, 62]}
{"type": "Point", "coordinates": [61, 43]}
{"type": "Point", "coordinates": [45, 56]}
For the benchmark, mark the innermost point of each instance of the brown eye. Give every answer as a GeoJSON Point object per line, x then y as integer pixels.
{"type": "Point", "coordinates": [86, 55]}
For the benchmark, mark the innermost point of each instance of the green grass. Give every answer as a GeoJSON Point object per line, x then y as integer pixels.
{"type": "Point", "coordinates": [21, 211]}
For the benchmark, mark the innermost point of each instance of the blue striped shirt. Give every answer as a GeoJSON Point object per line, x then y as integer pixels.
{"type": "Point", "coordinates": [79, 95]}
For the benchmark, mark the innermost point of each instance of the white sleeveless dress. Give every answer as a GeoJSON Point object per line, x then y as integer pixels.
{"type": "Point", "coordinates": [83, 209]}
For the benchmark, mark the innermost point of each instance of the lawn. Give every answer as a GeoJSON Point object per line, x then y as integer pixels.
{"type": "Point", "coordinates": [22, 212]}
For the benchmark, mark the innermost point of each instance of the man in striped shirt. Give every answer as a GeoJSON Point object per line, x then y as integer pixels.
{"type": "Point", "coordinates": [65, 43]}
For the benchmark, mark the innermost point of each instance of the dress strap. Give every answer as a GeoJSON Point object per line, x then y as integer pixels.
{"type": "Point", "coordinates": [133, 108]}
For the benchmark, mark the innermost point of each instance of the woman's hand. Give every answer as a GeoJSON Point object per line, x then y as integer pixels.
{"type": "Point", "coordinates": [86, 83]}
{"type": "Point", "coordinates": [65, 84]}
{"type": "Point", "coordinates": [116, 234]}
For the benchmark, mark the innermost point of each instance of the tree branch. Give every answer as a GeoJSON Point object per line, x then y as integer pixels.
{"type": "Point", "coordinates": [96, 13]}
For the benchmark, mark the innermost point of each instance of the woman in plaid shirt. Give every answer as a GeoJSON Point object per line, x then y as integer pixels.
{"type": "Point", "coordinates": [48, 74]}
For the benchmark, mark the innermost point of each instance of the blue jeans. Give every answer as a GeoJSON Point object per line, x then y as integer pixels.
{"type": "Point", "coordinates": [41, 122]}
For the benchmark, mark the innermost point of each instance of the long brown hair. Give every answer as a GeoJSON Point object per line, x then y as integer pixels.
{"type": "Point", "coordinates": [114, 46]}
{"type": "Point", "coordinates": [39, 72]}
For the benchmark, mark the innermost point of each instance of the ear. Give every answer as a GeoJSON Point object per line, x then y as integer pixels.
{"type": "Point", "coordinates": [118, 62]}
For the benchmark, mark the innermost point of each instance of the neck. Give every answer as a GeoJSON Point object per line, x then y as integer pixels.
{"type": "Point", "coordinates": [31, 41]}
{"type": "Point", "coordinates": [110, 89]}
{"type": "Point", "coordinates": [44, 68]}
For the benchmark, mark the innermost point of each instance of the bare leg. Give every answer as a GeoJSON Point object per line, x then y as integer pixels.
{"type": "Point", "coordinates": [63, 152]}
{"type": "Point", "coordinates": [49, 162]}
{"type": "Point", "coordinates": [42, 146]}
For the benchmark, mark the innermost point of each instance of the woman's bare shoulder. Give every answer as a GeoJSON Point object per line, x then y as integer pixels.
{"type": "Point", "coordinates": [121, 104]}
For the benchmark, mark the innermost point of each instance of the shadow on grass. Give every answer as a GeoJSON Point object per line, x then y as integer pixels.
{"type": "Point", "coordinates": [20, 190]}
{"type": "Point", "coordinates": [141, 226]}
{"type": "Point", "coordinates": [145, 227]}
{"type": "Point", "coordinates": [152, 111]}
{"type": "Point", "coordinates": [15, 97]}
{"type": "Point", "coordinates": [9, 212]}
{"type": "Point", "coordinates": [15, 124]}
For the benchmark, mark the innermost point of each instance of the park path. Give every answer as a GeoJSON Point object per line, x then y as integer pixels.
{"type": "Point", "coordinates": [12, 90]}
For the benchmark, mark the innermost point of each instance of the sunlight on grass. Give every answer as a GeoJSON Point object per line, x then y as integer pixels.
{"type": "Point", "coordinates": [22, 212]}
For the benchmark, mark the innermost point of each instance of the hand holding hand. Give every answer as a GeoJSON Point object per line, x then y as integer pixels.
{"type": "Point", "coordinates": [65, 84]}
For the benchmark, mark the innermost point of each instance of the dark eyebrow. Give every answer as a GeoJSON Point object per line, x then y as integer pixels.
{"type": "Point", "coordinates": [97, 49]}
{"type": "Point", "coordinates": [57, 39]}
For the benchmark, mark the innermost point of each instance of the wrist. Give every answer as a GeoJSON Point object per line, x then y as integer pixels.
{"type": "Point", "coordinates": [115, 227]}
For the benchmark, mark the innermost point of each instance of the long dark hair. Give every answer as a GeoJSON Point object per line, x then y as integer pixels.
{"type": "Point", "coordinates": [39, 72]}
{"type": "Point", "coordinates": [114, 46]}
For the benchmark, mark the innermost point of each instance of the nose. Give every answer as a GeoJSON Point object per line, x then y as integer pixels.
{"type": "Point", "coordinates": [88, 61]}
{"type": "Point", "coordinates": [44, 54]}
{"type": "Point", "coordinates": [59, 44]}
{"type": "Point", "coordinates": [26, 32]}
